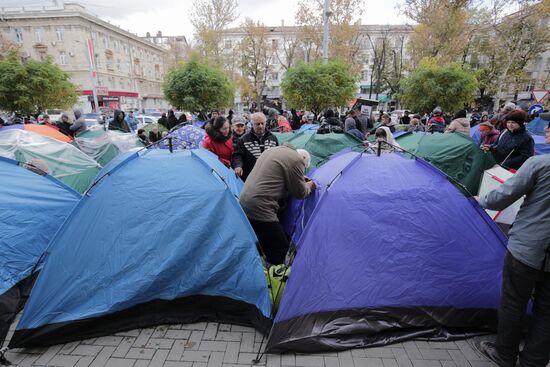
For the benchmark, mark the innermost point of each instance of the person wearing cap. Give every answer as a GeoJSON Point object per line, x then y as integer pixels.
{"type": "Point", "coordinates": [436, 123]}
{"type": "Point", "coordinates": [239, 129]}
{"type": "Point", "coordinates": [515, 145]}
{"type": "Point", "coordinates": [526, 270]}
{"type": "Point", "coordinates": [489, 135]}
{"type": "Point", "coordinates": [278, 172]}
{"type": "Point", "coordinates": [499, 121]}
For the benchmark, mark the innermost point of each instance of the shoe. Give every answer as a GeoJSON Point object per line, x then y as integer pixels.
{"type": "Point", "coordinates": [488, 349]}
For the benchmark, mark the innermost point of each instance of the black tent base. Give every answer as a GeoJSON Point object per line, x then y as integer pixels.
{"type": "Point", "coordinates": [360, 328]}
{"type": "Point", "coordinates": [11, 302]}
{"type": "Point", "coordinates": [158, 312]}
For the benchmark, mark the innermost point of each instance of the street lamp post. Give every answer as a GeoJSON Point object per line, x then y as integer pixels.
{"type": "Point", "coordinates": [89, 56]}
{"type": "Point", "coordinates": [327, 14]}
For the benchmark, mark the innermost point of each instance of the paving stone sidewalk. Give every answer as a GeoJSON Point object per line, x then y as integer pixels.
{"type": "Point", "coordinates": [222, 345]}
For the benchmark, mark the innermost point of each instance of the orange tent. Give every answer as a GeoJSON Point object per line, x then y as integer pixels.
{"type": "Point", "coordinates": [48, 131]}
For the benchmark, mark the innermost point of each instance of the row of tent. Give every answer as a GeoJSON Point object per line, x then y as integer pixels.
{"type": "Point", "coordinates": [76, 162]}
{"type": "Point", "coordinates": [388, 249]}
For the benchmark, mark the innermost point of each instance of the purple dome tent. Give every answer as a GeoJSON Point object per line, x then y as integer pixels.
{"type": "Point", "coordinates": [391, 250]}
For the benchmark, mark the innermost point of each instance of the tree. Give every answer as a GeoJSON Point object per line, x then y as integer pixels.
{"type": "Point", "coordinates": [33, 86]}
{"type": "Point", "coordinates": [394, 70]}
{"type": "Point", "coordinates": [197, 86]}
{"type": "Point", "coordinates": [257, 54]}
{"type": "Point", "coordinates": [210, 18]}
{"type": "Point", "coordinates": [452, 87]}
{"type": "Point", "coordinates": [380, 49]}
{"type": "Point", "coordinates": [345, 30]}
{"type": "Point", "coordinates": [442, 31]}
{"type": "Point", "coordinates": [508, 44]}
{"type": "Point", "coordinates": [316, 86]}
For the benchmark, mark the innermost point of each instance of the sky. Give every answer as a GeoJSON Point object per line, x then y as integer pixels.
{"type": "Point", "coordinates": [171, 16]}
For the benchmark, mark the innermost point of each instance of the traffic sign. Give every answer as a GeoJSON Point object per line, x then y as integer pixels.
{"type": "Point", "coordinates": [539, 94]}
{"type": "Point", "coordinates": [536, 108]}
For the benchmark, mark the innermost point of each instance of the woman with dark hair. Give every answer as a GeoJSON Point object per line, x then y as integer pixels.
{"type": "Point", "coordinates": [218, 139]}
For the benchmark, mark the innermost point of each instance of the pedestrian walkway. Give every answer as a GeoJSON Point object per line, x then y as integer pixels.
{"type": "Point", "coordinates": [222, 345]}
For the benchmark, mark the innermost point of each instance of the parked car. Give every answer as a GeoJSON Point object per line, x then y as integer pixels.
{"type": "Point", "coordinates": [92, 119]}
{"type": "Point", "coordinates": [145, 119]}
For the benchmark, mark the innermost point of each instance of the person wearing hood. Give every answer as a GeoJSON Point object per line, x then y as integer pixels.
{"type": "Point", "coordinates": [64, 124]}
{"type": "Point", "coordinates": [172, 121]}
{"type": "Point", "coordinates": [218, 139]}
{"type": "Point", "coordinates": [350, 127]}
{"type": "Point", "coordinates": [460, 124]}
{"type": "Point", "coordinates": [415, 125]}
{"type": "Point", "coordinates": [385, 138]}
{"type": "Point", "coordinates": [436, 123]}
{"type": "Point", "coordinates": [79, 124]}
{"type": "Point", "coordinates": [272, 116]}
{"type": "Point", "coordinates": [163, 120]}
{"type": "Point", "coordinates": [118, 122]}
{"type": "Point", "coordinates": [331, 124]}
{"type": "Point", "coordinates": [295, 123]}
{"type": "Point", "coordinates": [515, 145]}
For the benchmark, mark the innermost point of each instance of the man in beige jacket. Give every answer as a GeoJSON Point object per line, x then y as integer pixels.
{"type": "Point", "coordinates": [278, 173]}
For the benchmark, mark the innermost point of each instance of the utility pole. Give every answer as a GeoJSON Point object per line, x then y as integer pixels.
{"type": "Point", "coordinates": [91, 64]}
{"type": "Point", "coordinates": [327, 14]}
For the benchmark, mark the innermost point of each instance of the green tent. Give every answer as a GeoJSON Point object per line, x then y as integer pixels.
{"type": "Point", "coordinates": [319, 146]}
{"type": "Point", "coordinates": [104, 145]}
{"type": "Point", "coordinates": [455, 154]}
{"type": "Point", "coordinates": [64, 162]}
{"type": "Point", "coordinates": [149, 127]}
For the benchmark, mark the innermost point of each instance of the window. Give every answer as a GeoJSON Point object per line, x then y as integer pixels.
{"type": "Point", "coordinates": [365, 75]}
{"type": "Point", "coordinates": [118, 64]}
{"type": "Point", "coordinates": [39, 34]}
{"type": "Point", "coordinates": [105, 42]}
{"type": "Point", "coordinates": [19, 35]}
{"type": "Point", "coordinates": [115, 45]}
{"type": "Point", "coordinates": [59, 34]}
{"type": "Point", "coordinates": [109, 57]}
{"type": "Point", "coordinates": [364, 89]}
{"type": "Point", "coordinates": [275, 90]}
{"type": "Point", "coordinates": [228, 44]}
{"type": "Point", "coordinates": [547, 68]}
{"type": "Point", "coordinates": [125, 48]}
{"type": "Point", "coordinates": [274, 76]}
{"type": "Point", "coordinates": [274, 43]}
{"type": "Point", "coordinates": [94, 36]}
{"type": "Point", "coordinates": [62, 58]}
{"type": "Point", "coordinates": [157, 71]}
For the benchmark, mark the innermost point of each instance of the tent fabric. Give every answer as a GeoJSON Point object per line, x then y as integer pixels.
{"type": "Point", "coordinates": [65, 162]}
{"type": "Point", "coordinates": [185, 137]}
{"type": "Point", "coordinates": [320, 146]}
{"type": "Point", "coordinates": [196, 261]}
{"type": "Point", "coordinates": [540, 146]}
{"type": "Point", "coordinates": [475, 134]}
{"type": "Point", "coordinates": [42, 130]}
{"type": "Point", "coordinates": [392, 251]}
{"type": "Point", "coordinates": [32, 208]}
{"type": "Point", "coordinates": [536, 126]}
{"type": "Point", "coordinates": [104, 145]}
{"type": "Point", "coordinates": [309, 128]}
{"type": "Point", "coordinates": [455, 154]}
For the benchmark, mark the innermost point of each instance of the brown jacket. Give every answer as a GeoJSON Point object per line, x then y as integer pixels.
{"type": "Point", "coordinates": [460, 125]}
{"type": "Point", "coordinates": [278, 172]}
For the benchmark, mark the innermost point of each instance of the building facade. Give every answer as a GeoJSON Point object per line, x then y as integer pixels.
{"type": "Point", "coordinates": [285, 49]}
{"type": "Point", "coordinates": [176, 46]}
{"type": "Point", "coordinates": [126, 70]}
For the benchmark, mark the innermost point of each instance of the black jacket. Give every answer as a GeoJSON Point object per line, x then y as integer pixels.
{"type": "Point", "coordinates": [518, 146]}
{"type": "Point", "coordinates": [163, 121]}
{"type": "Point", "coordinates": [249, 148]}
{"type": "Point", "coordinates": [153, 138]}
{"type": "Point", "coordinates": [120, 125]}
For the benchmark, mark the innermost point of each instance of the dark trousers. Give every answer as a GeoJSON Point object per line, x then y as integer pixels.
{"type": "Point", "coordinates": [273, 241]}
{"type": "Point", "coordinates": [518, 283]}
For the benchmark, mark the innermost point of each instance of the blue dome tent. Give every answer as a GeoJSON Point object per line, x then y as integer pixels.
{"type": "Point", "coordinates": [32, 208]}
{"type": "Point", "coordinates": [108, 271]}
{"type": "Point", "coordinates": [536, 127]}
{"type": "Point", "coordinates": [391, 250]}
